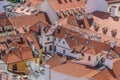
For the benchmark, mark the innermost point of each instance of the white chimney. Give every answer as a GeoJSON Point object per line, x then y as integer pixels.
{"type": "Point", "coordinates": [56, 23]}
{"type": "Point", "coordinates": [109, 63]}
{"type": "Point", "coordinates": [112, 45]}
{"type": "Point", "coordinates": [47, 72]}
{"type": "Point", "coordinates": [33, 47]}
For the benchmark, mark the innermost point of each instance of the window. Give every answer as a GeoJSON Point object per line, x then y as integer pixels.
{"type": "Point", "coordinates": [59, 40]}
{"type": "Point", "coordinates": [48, 39]}
{"type": "Point", "coordinates": [50, 48]}
{"type": "Point", "coordinates": [82, 54]}
{"type": "Point", "coordinates": [119, 9]}
{"type": "Point", "coordinates": [60, 1]}
{"type": "Point", "coordinates": [45, 49]}
{"type": "Point", "coordinates": [89, 58]}
{"type": "Point", "coordinates": [54, 48]}
{"type": "Point", "coordinates": [110, 10]}
{"type": "Point", "coordinates": [14, 67]}
{"type": "Point", "coordinates": [70, 0]}
{"type": "Point", "coordinates": [65, 1]}
{"type": "Point", "coordinates": [54, 39]}
{"type": "Point", "coordinates": [63, 42]}
{"type": "Point", "coordinates": [63, 51]}
{"type": "Point", "coordinates": [97, 58]}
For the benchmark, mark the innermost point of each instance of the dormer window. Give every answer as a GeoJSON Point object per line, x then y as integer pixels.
{"type": "Point", "coordinates": [104, 30]}
{"type": "Point", "coordinates": [60, 1]}
{"type": "Point", "coordinates": [96, 27]}
{"type": "Point", "coordinates": [65, 1]}
{"type": "Point", "coordinates": [113, 33]}
{"type": "Point", "coordinates": [70, 0]}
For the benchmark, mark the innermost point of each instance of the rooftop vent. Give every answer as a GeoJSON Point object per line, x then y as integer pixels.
{"type": "Point", "coordinates": [73, 38]}
{"type": "Point", "coordinates": [86, 42]}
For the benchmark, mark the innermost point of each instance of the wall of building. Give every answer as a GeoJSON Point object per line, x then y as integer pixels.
{"type": "Point", "coordinates": [61, 76]}
{"type": "Point", "coordinates": [93, 5]}
{"type": "Point", "coordinates": [63, 46]}
{"type": "Point", "coordinates": [93, 59]}
{"type": "Point", "coordinates": [50, 12]}
{"type": "Point", "coordinates": [117, 8]}
{"type": "Point", "coordinates": [21, 66]}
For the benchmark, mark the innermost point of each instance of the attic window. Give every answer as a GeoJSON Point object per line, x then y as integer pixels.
{"type": "Point", "coordinates": [65, 1]}
{"type": "Point", "coordinates": [70, 0]}
{"type": "Point", "coordinates": [113, 33]}
{"type": "Point", "coordinates": [73, 38]}
{"type": "Point", "coordinates": [60, 1]}
{"type": "Point", "coordinates": [104, 30]}
{"type": "Point", "coordinates": [96, 27]}
{"type": "Point", "coordinates": [65, 13]}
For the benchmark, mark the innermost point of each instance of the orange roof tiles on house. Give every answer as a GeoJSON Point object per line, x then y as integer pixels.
{"type": "Point", "coordinates": [4, 21]}
{"type": "Point", "coordinates": [92, 51]}
{"type": "Point", "coordinates": [54, 61]}
{"type": "Point", "coordinates": [107, 74]}
{"type": "Point", "coordinates": [105, 20]}
{"type": "Point", "coordinates": [33, 2]}
{"type": "Point", "coordinates": [61, 32]}
{"type": "Point", "coordinates": [22, 50]}
{"type": "Point", "coordinates": [62, 5]}
{"type": "Point", "coordinates": [39, 25]}
{"type": "Point", "coordinates": [28, 20]}
{"type": "Point", "coordinates": [73, 69]}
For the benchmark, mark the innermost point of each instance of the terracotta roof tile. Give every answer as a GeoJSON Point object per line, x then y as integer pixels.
{"type": "Point", "coordinates": [4, 21]}
{"type": "Point", "coordinates": [28, 20]}
{"type": "Point", "coordinates": [73, 69]}
{"type": "Point", "coordinates": [54, 61]}
{"type": "Point", "coordinates": [66, 5]}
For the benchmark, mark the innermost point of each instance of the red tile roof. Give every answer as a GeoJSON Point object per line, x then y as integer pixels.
{"type": "Point", "coordinates": [73, 69]}
{"type": "Point", "coordinates": [107, 74]}
{"type": "Point", "coordinates": [22, 50]}
{"type": "Point", "coordinates": [4, 21]}
{"type": "Point", "coordinates": [28, 20]}
{"type": "Point", "coordinates": [56, 5]}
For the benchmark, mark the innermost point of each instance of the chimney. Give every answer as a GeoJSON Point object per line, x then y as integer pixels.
{"type": "Point", "coordinates": [21, 37]}
{"type": "Point", "coordinates": [33, 47]}
{"type": "Point", "coordinates": [112, 45]}
{"type": "Point", "coordinates": [64, 58]}
{"type": "Point", "coordinates": [8, 39]}
{"type": "Point", "coordinates": [47, 72]}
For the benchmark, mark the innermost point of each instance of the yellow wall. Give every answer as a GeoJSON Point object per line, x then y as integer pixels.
{"type": "Point", "coordinates": [117, 5]}
{"type": "Point", "coordinates": [21, 66]}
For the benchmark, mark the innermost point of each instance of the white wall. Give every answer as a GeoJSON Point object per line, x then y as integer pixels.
{"type": "Point", "coordinates": [93, 62]}
{"type": "Point", "coordinates": [93, 5]}
{"type": "Point", "coordinates": [50, 12]}
{"type": "Point", "coordinates": [109, 63]}
{"type": "Point", "coordinates": [60, 76]}
{"type": "Point", "coordinates": [60, 47]}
